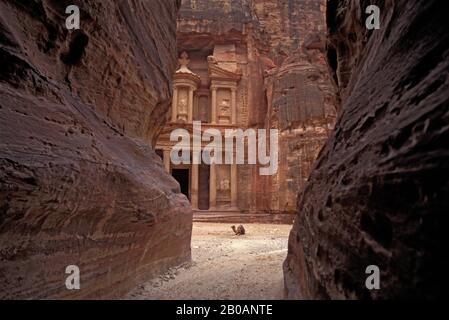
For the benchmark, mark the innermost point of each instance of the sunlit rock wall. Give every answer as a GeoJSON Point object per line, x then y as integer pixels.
{"type": "Point", "coordinates": [379, 193]}
{"type": "Point", "coordinates": [80, 183]}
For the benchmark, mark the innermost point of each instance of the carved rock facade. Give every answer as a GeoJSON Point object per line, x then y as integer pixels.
{"type": "Point", "coordinates": [252, 64]}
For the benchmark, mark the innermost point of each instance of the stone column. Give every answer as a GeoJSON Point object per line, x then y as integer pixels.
{"type": "Point", "coordinates": [194, 184]}
{"type": "Point", "coordinates": [190, 109]}
{"type": "Point", "coordinates": [214, 105]}
{"type": "Point", "coordinates": [212, 187]}
{"type": "Point", "coordinates": [234, 178]}
{"type": "Point", "coordinates": [166, 157]}
{"type": "Point", "coordinates": [174, 108]}
{"type": "Point", "coordinates": [194, 187]}
{"type": "Point", "coordinates": [233, 106]}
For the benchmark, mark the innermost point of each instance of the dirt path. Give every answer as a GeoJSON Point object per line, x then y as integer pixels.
{"type": "Point", "coordinates": [225, 266]}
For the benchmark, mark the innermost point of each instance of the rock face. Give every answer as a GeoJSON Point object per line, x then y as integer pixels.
{"type": "Point", "coordinates": [298, 92]}
{"type": "Point", "coordinates": [278, 46]}
{"type": "Point", "coordinates": [79, 113]}
{"type": "Point", "coordinates": [379, 193]}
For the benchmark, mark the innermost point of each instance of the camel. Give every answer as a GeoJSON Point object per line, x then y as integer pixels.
{"type": "Point", "coordinates": [239, 231]}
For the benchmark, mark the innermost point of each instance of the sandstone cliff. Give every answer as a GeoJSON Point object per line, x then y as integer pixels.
{"type": "Point", "coordinates": [79, 112]}
{"type": "Point", "coordinates": [298, 91]}
{"type": "Point", "coordinates": [379, 193]}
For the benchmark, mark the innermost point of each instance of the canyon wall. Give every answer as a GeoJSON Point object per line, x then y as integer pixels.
{"type": "Point", "coordinates": [298, 92]}
{"type": "Point", "coordinates": [79, 113]}
{"type": "Point", "coordinates": [278, 46]}
{"type": "Point", "coordinates": [379, 193]}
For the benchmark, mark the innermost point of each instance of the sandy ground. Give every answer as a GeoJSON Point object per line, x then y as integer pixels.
{"type": "Point", "coordinates": [225, 266]}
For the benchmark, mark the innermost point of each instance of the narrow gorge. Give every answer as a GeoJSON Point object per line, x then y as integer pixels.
{"type": "Point", "coordinates": [87, 175]}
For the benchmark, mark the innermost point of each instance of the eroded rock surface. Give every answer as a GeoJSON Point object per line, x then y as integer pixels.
{"type": "Point", "coordinates": [379, 193]}
{"type": "Point", "coordinates": [298, 92]}
{"type": "Point", "coordinates": [80, 183]}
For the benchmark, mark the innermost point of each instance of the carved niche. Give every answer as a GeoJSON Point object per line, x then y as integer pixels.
{"type": "Point", "coordinates": [183, 105]}
{"type": "Point", "coordinates": [203, 109]}
{"type": "Point", "coordinates": [223, 185]}
{"type": "Point", "coordinates": [224, 112]}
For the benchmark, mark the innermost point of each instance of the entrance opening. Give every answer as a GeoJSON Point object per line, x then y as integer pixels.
{"type": "Point", "coordinates": [182, 176]}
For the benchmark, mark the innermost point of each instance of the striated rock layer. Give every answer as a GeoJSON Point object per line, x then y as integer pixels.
{"type": "Point", "coordinates": [379, 193]}
{"type": "Point", "coordinates": [80, 183]}
{"type": "Point", "coordinates": [298, 91]}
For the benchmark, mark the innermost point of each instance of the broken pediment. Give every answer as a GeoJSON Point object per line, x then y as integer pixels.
{"type": "Point", "coordinates": [216, 72]}
{"type": "Point", "coordinates": [223, 63]}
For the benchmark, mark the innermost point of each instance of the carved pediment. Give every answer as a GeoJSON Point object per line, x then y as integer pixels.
{"type": "Point", "coordinates": [218, 73]}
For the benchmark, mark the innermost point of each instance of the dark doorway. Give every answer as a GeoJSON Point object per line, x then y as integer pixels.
{"type": "Point", "coordinates": [182, 176]}
{"type": "Point", "coordinates": [203, 187]}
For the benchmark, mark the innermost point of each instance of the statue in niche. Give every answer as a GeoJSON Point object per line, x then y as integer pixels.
{"type": "Point", "coordinates": [224, 115]}
{"type": "Point", "coordinates": [182, 109]}
{"type": "Point", "coordinates": [224, 185]}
